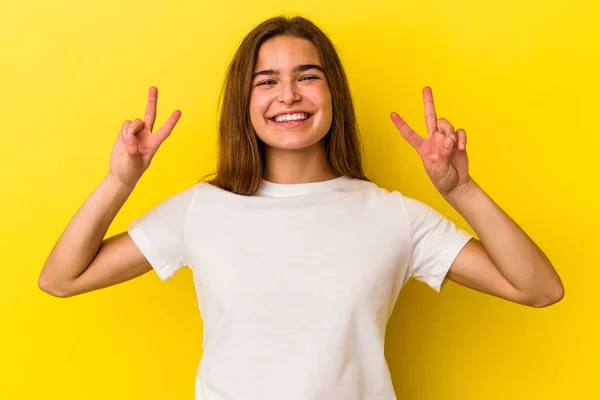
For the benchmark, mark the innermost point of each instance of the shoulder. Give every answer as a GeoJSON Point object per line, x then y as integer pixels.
{"type": "Point", "coordinates": [368, 187]}
{"type": "Point", "coordinates": [373, 190]}
{"type": "Point", "coordinates": [389, 202]}
{"type": "Point", "coordinates": [397, 200]}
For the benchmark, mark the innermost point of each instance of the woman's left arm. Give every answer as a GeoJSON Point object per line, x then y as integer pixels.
{"type": "Point", "coordinates": [505, 262]}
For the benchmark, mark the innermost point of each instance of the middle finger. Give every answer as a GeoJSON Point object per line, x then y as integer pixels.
{"type": "Point", "coordinates": [430, 115]}
{"type": "Point", "coordinates": [150, 115]}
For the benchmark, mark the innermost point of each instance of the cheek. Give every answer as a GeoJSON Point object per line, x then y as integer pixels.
{"type": "Point", "coordinates": [258, 109]}
{"type": "Point", "coordinates": [322, 98]}
{"type": "Point", "coordinates": [255, 114]}
{"type": "Point", "coordinates": [326, 108]}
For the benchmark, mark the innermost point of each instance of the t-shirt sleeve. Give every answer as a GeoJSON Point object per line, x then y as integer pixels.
{"type": "Point", "coordinates": [160, 234]}
{"type": "Point", "coordinates": [435, 243]}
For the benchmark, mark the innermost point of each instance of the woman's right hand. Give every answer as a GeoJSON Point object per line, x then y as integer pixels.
{"type": "Point", "coordinates": [136, 144]}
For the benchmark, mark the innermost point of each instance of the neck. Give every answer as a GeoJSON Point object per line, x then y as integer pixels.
{"type": "Point", "coordinates": [305, 165]}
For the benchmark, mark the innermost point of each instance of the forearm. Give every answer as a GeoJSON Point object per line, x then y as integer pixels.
{"type": "Point", "coordinates": [515, 255]}
{"type": "Point", "coordinates": [83, 236]}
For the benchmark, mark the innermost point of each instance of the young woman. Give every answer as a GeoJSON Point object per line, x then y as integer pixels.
{"type": "Point", "coordinates": [297, 257]}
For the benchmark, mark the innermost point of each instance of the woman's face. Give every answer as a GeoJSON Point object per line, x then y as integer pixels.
{"type": "Point", "coordinates": [288, 83]}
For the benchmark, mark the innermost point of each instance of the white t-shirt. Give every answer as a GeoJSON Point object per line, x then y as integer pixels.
{"type": "Point", "coordinates": [296, 283]}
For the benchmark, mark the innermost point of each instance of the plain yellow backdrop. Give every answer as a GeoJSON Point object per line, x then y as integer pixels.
{"type": "Point", "coordinates": [521, 77]}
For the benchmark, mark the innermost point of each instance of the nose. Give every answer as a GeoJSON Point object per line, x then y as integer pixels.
{"type": "Point", "coordinates": [288, 92]}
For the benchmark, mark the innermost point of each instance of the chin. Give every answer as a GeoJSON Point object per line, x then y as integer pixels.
{"type": "Point", "coordinates": [291, 141]}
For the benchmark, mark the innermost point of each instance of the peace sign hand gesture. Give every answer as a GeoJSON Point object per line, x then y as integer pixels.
{"type": "Point", "coordinates": [136, 144]}
{"type": "Point", "coordinates": [443, 151]}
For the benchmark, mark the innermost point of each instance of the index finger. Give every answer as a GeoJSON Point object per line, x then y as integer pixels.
{"type": "Point", "coordinates": [430, 116]}
{"type": "Point", "coordinates": [150, 114]}
{"type": "Point", "coordinates": [408, 134]}
{"type": "Point", "coordinates": [168, 126]}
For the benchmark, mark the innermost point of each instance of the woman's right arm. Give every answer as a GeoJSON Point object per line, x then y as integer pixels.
{"type": "Point", "coordinates": [81, 261]}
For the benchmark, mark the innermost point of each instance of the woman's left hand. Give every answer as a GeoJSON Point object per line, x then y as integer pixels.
{"type": "Point", "coordinates": [444, 150]}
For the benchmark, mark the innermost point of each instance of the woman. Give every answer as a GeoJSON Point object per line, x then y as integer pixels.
{"type": "Point", "coordinates": [297, 257]}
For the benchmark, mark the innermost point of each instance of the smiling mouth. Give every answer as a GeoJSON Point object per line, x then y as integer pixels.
{"type": "Point", "coordinates": [291, 123]}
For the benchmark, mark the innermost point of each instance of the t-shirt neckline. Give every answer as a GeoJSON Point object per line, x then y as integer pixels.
{"type": "Point", "coordinates": [267, 188]}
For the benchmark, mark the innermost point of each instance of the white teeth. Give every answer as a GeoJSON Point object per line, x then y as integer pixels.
{"type": "Point", "coordinates": [291, 117]}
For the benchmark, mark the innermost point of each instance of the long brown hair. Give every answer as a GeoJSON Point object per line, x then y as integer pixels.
{"type": "Point", "coordinates": [241, 153]}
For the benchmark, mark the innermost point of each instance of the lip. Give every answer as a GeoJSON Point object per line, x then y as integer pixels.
{"type": "Point", "coordinates": [291, 112]}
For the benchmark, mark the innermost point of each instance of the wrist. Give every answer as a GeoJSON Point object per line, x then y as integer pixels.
{"type": "Point", "coordinates": [461, 191]}
{"type": "Point", "coordinates": [118, 184]}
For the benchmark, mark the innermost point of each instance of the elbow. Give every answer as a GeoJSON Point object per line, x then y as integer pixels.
{"type": "Point", "coordinates": [553, 296]}
{"type": "Point", "coordinates": [45, 285]}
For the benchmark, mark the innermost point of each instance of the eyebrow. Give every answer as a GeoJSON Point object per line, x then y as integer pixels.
{"type": "Point", "coordinates": [297, 68]}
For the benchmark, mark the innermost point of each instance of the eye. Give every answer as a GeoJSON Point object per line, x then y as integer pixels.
{"type": "Point", "coordinates": [309, 77]}
{"type": "Point", "coordinates": [263, 82]}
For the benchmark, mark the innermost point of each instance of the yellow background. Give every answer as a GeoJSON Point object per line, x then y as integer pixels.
{"type": "Point", "coordinates": [520, 76]}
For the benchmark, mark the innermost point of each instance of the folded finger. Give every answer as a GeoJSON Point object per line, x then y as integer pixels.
{"type": "Point", "coordinates": [442, 159]}
{"type": "Point", "coordinates": [123, 130]}
{"type": "Point", "coordinates": [462, 138]}
{"type": "Point", "coordinates": [444, 126]}
{"type": "Point", "coordinates": [137, 125]}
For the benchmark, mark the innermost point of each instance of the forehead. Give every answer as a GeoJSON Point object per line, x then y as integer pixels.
{"type": "Point", "coordinates": [284, 52]}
